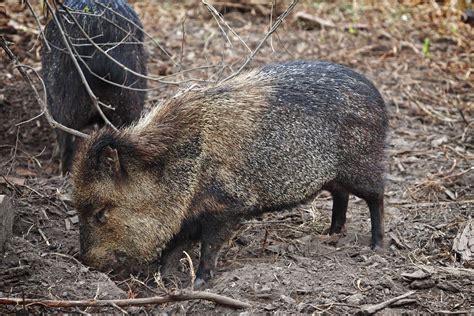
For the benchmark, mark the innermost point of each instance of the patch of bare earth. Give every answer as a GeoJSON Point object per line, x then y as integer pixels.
{"type": "Point", "coordinates": [420, 56]}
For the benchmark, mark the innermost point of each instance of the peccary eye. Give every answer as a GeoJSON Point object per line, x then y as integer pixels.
{"type": "Point", "coordinates": [100, 215]}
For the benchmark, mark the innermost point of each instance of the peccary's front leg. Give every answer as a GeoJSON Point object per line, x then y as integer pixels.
{"type": "Point", "coordinates": [189, 234]}
{"type": "Point", "coordinates": [215, 232]}
{"type": "Point", "coordinates": [171, 255]}
{"type": "Point", "coordinates": [67, 151]}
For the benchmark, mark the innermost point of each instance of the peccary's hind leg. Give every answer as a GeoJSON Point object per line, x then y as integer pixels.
{"type": "Point", "coordinates": [375, 204]}
{"type": "Point", "coordinates": [215, 232]}
{"type": "Point", "coordinates": [374, 201]}
{"type": "Point", "coordinates": [339, 210]}
{"type": "Point", "coordinates": [340, 200]}
{"type": "Point", "coordinates": [188, 235]}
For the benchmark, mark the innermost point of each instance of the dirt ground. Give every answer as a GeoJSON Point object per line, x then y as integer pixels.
{"type": "Point", "coordinates": [421, 58]}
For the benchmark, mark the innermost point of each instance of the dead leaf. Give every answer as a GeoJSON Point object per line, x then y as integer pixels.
{"type": "Point", "coordinates": [417, 275]}
{"type": "Point", "coordinates": [439, 141]}
{"type": "Point", "coordinates": [67, 224]}
{"type": "Point", "coordinates": [463, 243]}
{"type": "Point", "coordinates": [74, 219]}
{"type": "Point", "coordinates": [450, 194]}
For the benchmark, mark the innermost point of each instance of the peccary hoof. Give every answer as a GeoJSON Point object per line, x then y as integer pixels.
{"type": "Point", "coordinates": [378, 248]}
{"type": "Point", "coordinates": [203, 277]}
{"type": "Point", "coordinates": [199, 283]}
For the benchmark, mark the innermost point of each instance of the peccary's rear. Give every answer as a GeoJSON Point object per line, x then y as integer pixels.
{"type": "Point", "coordinates": [114, 27]}
{"type": "Point", "coordinates": [198, 164]}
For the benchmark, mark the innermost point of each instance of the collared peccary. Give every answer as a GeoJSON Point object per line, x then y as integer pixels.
{"type": "Point", "coordinates": [116, 29]}
{"type": "Point", "coordinates": [197, 165]}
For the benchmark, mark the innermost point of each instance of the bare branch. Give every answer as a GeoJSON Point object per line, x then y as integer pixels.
{"type": "Point", "coordinates": [141, 29]}
{"type": "Point", "coordinates": [78, 67]}
{"type": "Point", "coordinates": [38, 24]}
{"type": "Point", "coordinates": [216, 15]}
{"type": "Point", "coordinates": [125, 68]}
{"type": "Point", "coordinates": [183, 41]}
{"type": "Point", "coordinates": [71, 15]}
{"type": "Point", "coordinates": [42, 101]}
{"type": "Point", "coordinates": [174, 297]}
{"type": "Point", "coordinates": [270, 32]}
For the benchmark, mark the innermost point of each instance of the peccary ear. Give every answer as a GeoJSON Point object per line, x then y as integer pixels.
{"type": "Point", "coordinates": [110, 162]}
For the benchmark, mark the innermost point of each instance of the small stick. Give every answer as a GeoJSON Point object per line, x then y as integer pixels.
{"type": "Point", "coordinates": [218, 24]}
{"type": "Point", "coordinates": [183, 39]}
{"type": "Point", "coordinates": [44, 237]}
{"type": "Point", "coordinates": [217, 15]}
{"type": "Point", "coordinates": [372, 309]}
{"type": "Point", "coordinates": [175, 297]}
{"type": "Point", "coordinates": [430, 204]}
{"type": "Point", "coordinates": [191, 269]}
{"type": "Point", "coordinates": [38, 24]}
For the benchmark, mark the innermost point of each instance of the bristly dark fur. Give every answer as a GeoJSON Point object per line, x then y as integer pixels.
{"type": "Point", "coordinates": [263, 141]}
{"type": "Point", "coordinates": [68, 101]}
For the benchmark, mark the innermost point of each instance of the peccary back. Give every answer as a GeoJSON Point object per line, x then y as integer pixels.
{"type": "Point", "coordinates": [195, 166]}
{"type": "Point", "coordinates": [115, 28]}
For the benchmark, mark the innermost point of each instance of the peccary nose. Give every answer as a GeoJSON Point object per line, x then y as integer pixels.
{"type": "Point", "coordinates": [102, 262]}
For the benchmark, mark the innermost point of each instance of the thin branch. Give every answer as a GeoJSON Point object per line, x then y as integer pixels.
{"type": "Point", "coordinates": [270, 32]}
{"type": "Point", "coordinates": [141, 29]}
{"type": "Point", "coordinates": [125, 68]}
{"type": "Point", "coordinates": [42, 101]}
{"type": "Point", "coordinates": [38, 24]}
{"type": "Point", "coordinates": [183, 40]}
{"type": "Point", "coordinates": [209, 7]}
{"type": "Point", "coordinates": [174, 297]}
{"type": "Point", "coordinates": [191, 268]}
{"type": "Point", "coordinates": [76, 64]}
{"type": "Point", "coordinates": [92, 44]}
{"type": "Point", "coordinates": [216, 15]}
{"type": "Point", "coordinates": [115, 61]}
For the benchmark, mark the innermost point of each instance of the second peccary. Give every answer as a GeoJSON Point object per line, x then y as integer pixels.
{"type": "Point", "coordinates": [116, 29]}
{"type": "Point", "coordinates": [197, 165]}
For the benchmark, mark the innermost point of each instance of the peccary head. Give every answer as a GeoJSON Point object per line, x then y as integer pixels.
{"type": "Point", "coordinates": [129, 206]}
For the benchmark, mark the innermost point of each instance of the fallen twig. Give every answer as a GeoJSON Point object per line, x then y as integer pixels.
{"type": "Point", "coordinates": [459, 272]}
{"type": "Point", "coordinates": [431, 204]}
{"type": "Point", "coordinates": [371, 309]}
{"type": "Point", "coordinates": [175, 297]}
{"type": "Point", "coordinates": [315, 19]}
